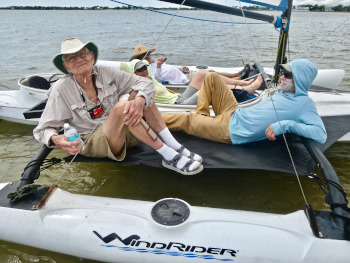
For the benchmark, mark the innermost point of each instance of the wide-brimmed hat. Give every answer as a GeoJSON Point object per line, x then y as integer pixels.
{"type": "Point", "coordinates": [141, 50]}
{"type": "Point", "coordinates": [286, 67]}
{"type": "Point", "coordinates": [70, 46]}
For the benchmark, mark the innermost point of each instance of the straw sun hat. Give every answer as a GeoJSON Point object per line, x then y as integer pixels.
{"type": "Point", "coordinates": [70, 46]}
{"type": "Point", "coordinates": [141, 50]}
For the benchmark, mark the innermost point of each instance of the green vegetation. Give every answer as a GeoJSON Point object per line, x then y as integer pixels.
{"type": "Point", "coordinates": [317, 8]}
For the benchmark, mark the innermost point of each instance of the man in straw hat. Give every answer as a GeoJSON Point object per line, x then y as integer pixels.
{"type": "Point", "coordinates": [90, 98]}
{"type": "Point", "coordinates": [296, 112]}
{"type": "Point", "coordinates": [160, 71]}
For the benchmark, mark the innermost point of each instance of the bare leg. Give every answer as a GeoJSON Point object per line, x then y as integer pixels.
{"type": "Point", "coordinates": [114, 130]}
{"type": "Point", "coordinates": [154, 119]}
{"type": "Point", "coordinates": [232, 81]}
{"type": "Point", "coordinates": [198, 80]}
{"type": "Point", "coordinates": [251, 88]}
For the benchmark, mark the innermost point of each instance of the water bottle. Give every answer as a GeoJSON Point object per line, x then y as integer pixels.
{"type": "Point", "coordinates": [72, 134]}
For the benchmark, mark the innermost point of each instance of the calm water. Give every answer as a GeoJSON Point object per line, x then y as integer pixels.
{"type": "Point", "coordinates": [29, 39]}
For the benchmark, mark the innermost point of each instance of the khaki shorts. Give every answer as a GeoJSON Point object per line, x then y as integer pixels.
{"type": "Point", "coordinates": [97, 145]}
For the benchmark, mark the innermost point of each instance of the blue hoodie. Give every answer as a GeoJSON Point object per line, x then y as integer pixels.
{"type": "Point", "coordinates": [296, 111]}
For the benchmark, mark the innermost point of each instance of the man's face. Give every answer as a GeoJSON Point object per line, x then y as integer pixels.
{"type": "Point", "coordinates": [148, 58]}
{"type": "Point", "coordinates": [142, 72]}
{"type": "Point", "coordinates": [287, 82]}
{"type": "Point", "coordinates": [79, 63]}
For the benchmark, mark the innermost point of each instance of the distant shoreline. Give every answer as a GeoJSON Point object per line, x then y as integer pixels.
{"type": "Point", "coordinates": [100, 8]}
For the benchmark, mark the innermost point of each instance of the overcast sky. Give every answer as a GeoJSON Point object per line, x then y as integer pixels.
{"type": "Point", "coordinates": [154, 3]}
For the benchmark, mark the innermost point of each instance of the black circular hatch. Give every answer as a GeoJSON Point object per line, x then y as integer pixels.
{"type": "Point", "coordinates": [170, 212]}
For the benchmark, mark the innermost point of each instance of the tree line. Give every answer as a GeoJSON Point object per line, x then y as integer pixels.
{"type": "Point", "coordinates": [319, 8]}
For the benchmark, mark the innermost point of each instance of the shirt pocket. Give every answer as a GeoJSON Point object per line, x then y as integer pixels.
{"type": "Point", "coordinates": [80, 112]}
{"type": "Point", "coordinates": [109, 95]}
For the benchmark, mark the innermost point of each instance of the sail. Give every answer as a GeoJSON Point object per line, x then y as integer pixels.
{"type": "Point", "coordinates": [274, 4]}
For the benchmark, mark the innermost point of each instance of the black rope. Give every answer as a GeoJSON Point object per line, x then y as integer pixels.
{"type": "Point", "coordinates": [49, 162]}
{"type": "Point", "coordinates": [46, 163]}
{"type": "Point", "coordinates": [323, 183]}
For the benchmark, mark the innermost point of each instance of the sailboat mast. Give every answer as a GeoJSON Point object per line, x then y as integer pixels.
{"type": "Point", "coordinates": [282, 43]}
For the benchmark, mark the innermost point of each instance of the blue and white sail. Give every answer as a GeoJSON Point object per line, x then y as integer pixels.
{"type": "Point", "coordinates": [274, 4]}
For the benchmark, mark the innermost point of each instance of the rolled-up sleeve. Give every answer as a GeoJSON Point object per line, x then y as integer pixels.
{"type": "Point", "coordinates": [54, 116]}
{"type": "Point", "coordinates": [142, 85]}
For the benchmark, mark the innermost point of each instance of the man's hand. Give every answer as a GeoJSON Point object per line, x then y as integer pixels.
{"type": "Point", "coordinates": [184, 69]}
{"type": "Point", "coordinates": [133, 111]}
{"type": "Point", "coordinates": [160, 60]}
{"type": "Point", "coordinates": [70, 147]}
{"type": "Point", "coordinates": [270, 134]}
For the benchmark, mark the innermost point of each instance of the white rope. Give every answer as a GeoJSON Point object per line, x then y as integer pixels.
{"type": "Point", "coordinates": [249, 32]}
{"type": "Point", "coordinates": [112, 103]}
{"type": "Point", "coordinates": [236, 39]}
{"type": "Point", "coordinates": [337, 44]}
{"type": "Point", "coordinates": [166, 26]}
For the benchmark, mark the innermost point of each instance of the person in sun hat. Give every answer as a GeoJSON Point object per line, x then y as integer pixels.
{"type": "Point", "coordinates": [190, 95]}
{"type": "Point", "coordinates": [161, 72]}
{"type": "Point", "coordinates": [169, 74]}
{"type": "Point", "coordinates": [296, 112]}
{"type": "Point", "coordinates": [106, 107]}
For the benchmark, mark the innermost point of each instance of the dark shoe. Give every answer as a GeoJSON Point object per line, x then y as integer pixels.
{"type": "Point", "coordinates": [244, 73]}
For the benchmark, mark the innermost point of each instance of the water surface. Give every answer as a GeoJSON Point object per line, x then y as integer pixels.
{"type": "Point", "coordinates": [32, 38]}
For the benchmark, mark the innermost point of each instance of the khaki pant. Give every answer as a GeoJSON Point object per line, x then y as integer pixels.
{"type": "Point", "coordinates": [97, 145]}
{"type": "Point", "coordinates": [213, 92]}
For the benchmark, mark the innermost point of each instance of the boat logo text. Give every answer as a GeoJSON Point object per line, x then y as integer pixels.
{"type": "Point", "coordinates": [134, 243]}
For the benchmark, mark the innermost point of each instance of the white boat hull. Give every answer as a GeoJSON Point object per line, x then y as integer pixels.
{"type": "Point", "coordinates": [77, 224]}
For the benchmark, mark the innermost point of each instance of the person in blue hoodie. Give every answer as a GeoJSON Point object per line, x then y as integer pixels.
{"type": "Point", "coordinates": [290, 110]}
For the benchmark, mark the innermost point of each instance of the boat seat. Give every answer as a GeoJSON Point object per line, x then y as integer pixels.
{"type": "Point", "coordinates": [39, 83]}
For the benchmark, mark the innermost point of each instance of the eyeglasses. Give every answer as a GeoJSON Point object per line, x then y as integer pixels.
{"type": "Point", "coordinates": [288, 75]}
{"type": "Point", "coordinates": [73, 57]}
{"type": "Point", "coordinates": [142, 69]}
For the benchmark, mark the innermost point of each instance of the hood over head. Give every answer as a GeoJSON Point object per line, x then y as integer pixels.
{"type": "Point", "coordinates": [304, 73]}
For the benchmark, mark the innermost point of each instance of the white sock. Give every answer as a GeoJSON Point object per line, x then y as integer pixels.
{"type": "Point", "coordinates": [169, 153]}
{"type": "Point", "coordinates": [169, 139]}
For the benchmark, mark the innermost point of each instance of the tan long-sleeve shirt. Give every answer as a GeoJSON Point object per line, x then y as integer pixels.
{"type": "Point", "coordinates": [65, 102]}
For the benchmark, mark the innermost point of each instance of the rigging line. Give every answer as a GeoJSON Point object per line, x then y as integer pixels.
{"type": "Point", "coordinates": [279, 121]}
{"type": "Point", "coordinates": [117, 96]}
{"type": "Point", "coordinates": [282, 43]}
{"type": "Point", "coordinates": [94, 128]}
{"type": "Point", "coordinates": [166, 26]}
{"type": "Point", "coordinates": [234, 33]}
{"type": "Point", "coordinates": [187, 17]}
{"type": "Point", "coordinates": [317, 41]}
{"type": "Point", "coordinates": [337, 44]}
{"type": "Point", "coordinates": [289, 153]}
